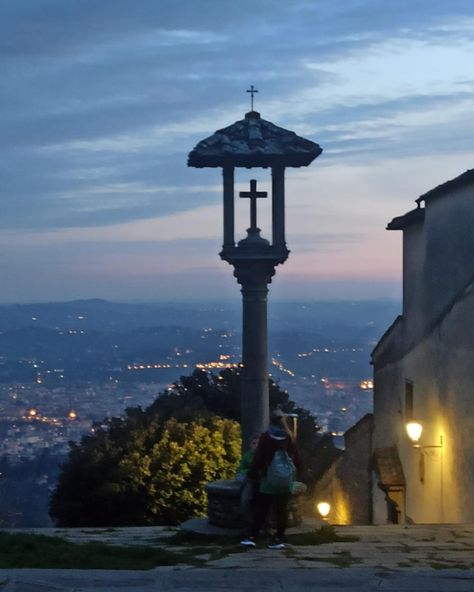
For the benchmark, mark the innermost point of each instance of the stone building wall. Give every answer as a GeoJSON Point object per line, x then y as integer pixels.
{"type": "Point", "coordinates": [439, 482]}
{"type": "Point", "coordinates": [347, 485]}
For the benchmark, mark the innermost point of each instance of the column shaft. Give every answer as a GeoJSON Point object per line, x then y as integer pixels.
{"type": "Point", "coordinates": [228, 174]}
{"type": "Point", "coordinates": [278, 206]}
{"type": "Point", "coordinates": [255, 397]}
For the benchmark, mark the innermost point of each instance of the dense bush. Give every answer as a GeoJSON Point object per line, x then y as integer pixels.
{"type": "Point", "coordinates": [141, 471]}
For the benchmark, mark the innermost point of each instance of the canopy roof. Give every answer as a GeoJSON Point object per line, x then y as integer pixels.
{"type": "Point", "coordinates": [253, 142]}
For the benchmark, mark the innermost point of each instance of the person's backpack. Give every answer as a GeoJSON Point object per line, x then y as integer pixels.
{"type": "Point", "coordinates": [281, 472]}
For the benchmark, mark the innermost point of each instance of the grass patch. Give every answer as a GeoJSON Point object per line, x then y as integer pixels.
{"type": "Point", "coordinates": [216, 547]}
{"type": "Point", "coordinates": [185, 537]}
{"type": "Point", "coordinates": [341, 559]}
{"type": "Point", "coordinates": [320, 536]}
{"type": "Point", "coordinates": [27, 550]}
{"type": "Point", "coordinates": [39, 551]}
{"type": "Point", "coordinates": [441, 565]}
{"type": "Point", "coordinates": [459, 535]}
{"type": "Point", "coordinates": [290, 553]}
{"type": "Point", "coordinates": [98, 530]}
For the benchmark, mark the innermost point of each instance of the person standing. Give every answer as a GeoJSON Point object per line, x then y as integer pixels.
{"type": "Point", "coordinates": [249, 489]}
{"type": "Point", "coordinates": [274, 463]}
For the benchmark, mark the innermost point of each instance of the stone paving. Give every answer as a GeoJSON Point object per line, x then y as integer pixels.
{"type": "Point", "coordinates": [384, 547]}
{"type": "Point", "coordinates": [436, 557]}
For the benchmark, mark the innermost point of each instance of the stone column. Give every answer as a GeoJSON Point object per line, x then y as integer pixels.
{"type": "Point", "coordinates": [228, 174]}
{"type": "Point", "coordinates": [278, 206]}
{"type": "Point", "coordinates": [255, 392]}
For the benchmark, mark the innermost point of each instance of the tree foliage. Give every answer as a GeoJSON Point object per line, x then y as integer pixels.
{"type": "Point", "coordinates": [205, 395]}
{"type": "Point", "coordinates": [142, 471]}
{"type": "Point", "coordinates": [151, 466]}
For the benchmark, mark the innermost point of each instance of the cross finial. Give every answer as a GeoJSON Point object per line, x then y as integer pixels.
{"type": "Point", "coordinates": [253, 194]}
{"type": "Point", "coordinates": [252, 91]}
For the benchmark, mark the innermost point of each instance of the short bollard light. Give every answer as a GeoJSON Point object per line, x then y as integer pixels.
{"type": "Point", "coordinates": [323, 508]}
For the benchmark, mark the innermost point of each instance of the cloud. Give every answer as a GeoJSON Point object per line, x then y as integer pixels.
{"type": "Point", "coordinates": [102, 101]}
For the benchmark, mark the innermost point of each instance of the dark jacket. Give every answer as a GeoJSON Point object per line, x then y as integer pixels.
{"type": "Point", "coordinates": [264, 452]}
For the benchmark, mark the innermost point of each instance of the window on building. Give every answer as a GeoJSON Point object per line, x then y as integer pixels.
{"type": "Point", "coordinates": [408, 399]}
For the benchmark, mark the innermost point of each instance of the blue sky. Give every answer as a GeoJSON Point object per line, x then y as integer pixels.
{"type": "Point", "coordinates": [101, 102]}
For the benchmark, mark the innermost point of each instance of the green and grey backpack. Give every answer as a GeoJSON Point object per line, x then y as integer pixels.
{"type": "Point", "coordinates": [281, 472]}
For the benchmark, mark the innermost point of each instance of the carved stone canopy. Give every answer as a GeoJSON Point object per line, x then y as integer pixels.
{"type": "Point", "coordinates": [253, 142]}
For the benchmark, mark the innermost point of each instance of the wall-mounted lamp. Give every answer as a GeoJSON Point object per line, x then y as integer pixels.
{"type": "Point", "coordinates": [414, 431]}
{"type": "Point", "coordinates": [323, 508]}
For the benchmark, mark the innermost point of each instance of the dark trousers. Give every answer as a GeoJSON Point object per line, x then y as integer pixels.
{"type": "Point", "coordinates": [263, 503]}
{"type": "Point", "coordinates": [248, 495]}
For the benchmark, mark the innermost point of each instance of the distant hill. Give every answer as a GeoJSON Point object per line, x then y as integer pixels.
{"type": "Point", "coordinates": [102, 315]}
{"type": "Point", "coordinates": [96, 340]}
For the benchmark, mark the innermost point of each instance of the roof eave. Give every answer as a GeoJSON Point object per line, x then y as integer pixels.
{"type": "Point", "coordinates": [462, 180]}
{"type": "Point", "coordinates": [412, 217]}
{"type": "Point", "coordinates": [252, 160]}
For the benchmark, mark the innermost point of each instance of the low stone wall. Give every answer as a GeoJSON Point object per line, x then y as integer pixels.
{"type": "Point", "coordinates": [223, 508]}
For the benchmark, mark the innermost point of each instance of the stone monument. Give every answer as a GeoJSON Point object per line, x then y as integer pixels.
{"type": "Point", "coordinates": [250, 143]}
{"type": "Point", "coordinates": [254, 142]}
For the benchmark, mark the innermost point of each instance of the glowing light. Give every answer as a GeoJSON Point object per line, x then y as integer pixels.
{"type": "Point", "coordinates": [213, 365]}
{"type": "Point", "coordinates": [323, 508]}
{"type": "Point", "coordinates": [32, 413]}
{"type": "Point", "coordinates": [282, 368]}
{"type": "Point", "coordinates": [414, 430]}
{"type": "Point", "coordinates": [72, 414]}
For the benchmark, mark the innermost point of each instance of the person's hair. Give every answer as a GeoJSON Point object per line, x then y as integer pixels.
{"type": "Point", "coordinates": [280, 420]}
{"type": "Point", "coordinates": [275, 419]}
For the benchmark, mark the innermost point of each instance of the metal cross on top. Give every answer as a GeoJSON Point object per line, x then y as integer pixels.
{"type": "Point", "coordinates": [253, 194]}
{"type": "Point", "coordinates": [252, 91]}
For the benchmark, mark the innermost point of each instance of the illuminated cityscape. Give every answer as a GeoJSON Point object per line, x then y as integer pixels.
{"type": "Point", "coordinates": [64, 369]}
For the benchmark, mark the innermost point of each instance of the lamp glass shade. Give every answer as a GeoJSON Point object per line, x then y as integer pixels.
{"type": "Point", "coordinates": [414, 429]}
{"type": "Point", "coordinates": [323, 508]}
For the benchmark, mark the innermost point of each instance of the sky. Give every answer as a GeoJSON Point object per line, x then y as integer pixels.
{"type": "Point", "coordinates": [101, 102]}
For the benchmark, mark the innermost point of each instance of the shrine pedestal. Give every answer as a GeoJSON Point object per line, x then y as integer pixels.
{"type": "Point", "coordinates": [224, 504]}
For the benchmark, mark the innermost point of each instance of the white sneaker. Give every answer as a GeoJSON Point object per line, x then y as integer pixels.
{"type": "Point", "coordinates": [249, 542]}
{"type": "Point", "coordinates": [276, 545]}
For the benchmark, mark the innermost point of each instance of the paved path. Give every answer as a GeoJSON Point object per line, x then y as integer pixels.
{"type": "Point", "coordinates": [412, 558]}
{"type": "Point", "coordinates": [258, 580]}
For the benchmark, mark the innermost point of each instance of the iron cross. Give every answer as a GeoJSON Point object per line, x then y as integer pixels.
{"type": "Point", "coordinates": [253, 194]}
{"type": "Point", "coordinates": [252, 91]}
